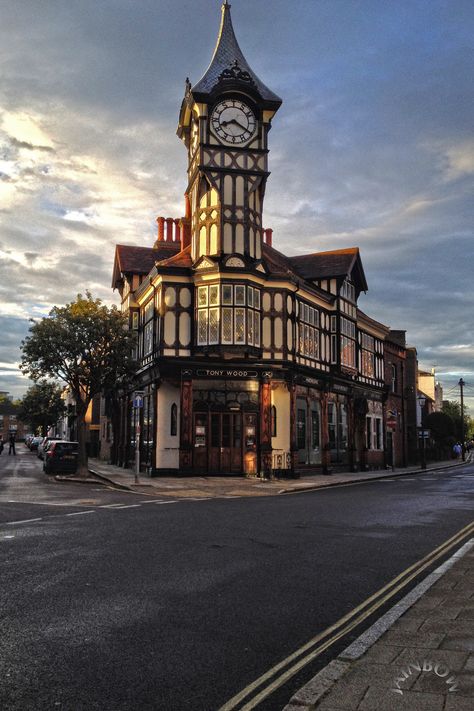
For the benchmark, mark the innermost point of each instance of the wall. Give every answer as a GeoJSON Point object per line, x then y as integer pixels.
{"type": "Point", "coordinates": [281, 443]}
{"type": "Point", "coordinates": [167, 445]}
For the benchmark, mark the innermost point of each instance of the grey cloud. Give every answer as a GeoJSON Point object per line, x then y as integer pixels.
{"type": "Point", "coordinates": [30, 146]}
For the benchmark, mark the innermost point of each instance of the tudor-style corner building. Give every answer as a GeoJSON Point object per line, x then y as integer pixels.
{"type": "Point", "coordinates": [251, 361]}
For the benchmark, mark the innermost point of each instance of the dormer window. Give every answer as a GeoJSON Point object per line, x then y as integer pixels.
{"type": "Point", "coordinates": [348, 291]}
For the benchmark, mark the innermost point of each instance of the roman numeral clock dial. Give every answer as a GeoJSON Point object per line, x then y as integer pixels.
{"type": "Point", "coordinates": [233, 121]}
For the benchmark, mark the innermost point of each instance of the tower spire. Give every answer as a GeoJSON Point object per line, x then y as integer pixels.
{"type": "Point", "coordinates": [229, 64]}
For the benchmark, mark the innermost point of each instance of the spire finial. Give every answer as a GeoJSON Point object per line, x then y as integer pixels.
{"type": "Point", "coordinates": [226, 4]}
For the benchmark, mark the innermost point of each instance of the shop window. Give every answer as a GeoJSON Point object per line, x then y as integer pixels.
{"type": "Point", "coordinates": [301, 429]}
{"type": "Point", "coordinates": [274, 421]}
{"type": "Point", "coordinates": [174, 420]}
{"type": "Point", "coordinates": [315, 429]}
{"type": "Point", "coordinates": [374, 440]}
{"type": "Point", "coordinates": [332, 425]}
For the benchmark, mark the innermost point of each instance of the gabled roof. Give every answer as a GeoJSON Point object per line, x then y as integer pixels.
{"type": "Point", "coordinates": [333, 264]}
{"type": "Point", "coordinates": [229, 64]}
{"type": "Point", "coordinates": [140, 260]}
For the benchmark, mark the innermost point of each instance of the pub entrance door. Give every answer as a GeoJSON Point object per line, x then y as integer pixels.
{"type": "Point", "coordinates": [223, 441]}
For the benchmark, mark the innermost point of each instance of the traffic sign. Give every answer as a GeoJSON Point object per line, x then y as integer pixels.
{"type": "Point", "coordinates": [138, 401]}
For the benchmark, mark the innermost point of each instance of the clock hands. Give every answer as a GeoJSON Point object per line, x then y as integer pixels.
{"type": "Point", "coordinates": [226, 123]}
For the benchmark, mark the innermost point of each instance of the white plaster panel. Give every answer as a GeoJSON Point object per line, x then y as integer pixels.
{"type": "Point", "coordinates": [184, 329]}
{"type": "Point", "coordinates": [185, 298]}
{"type": "Point", "coordinates": [167, 446]}
{"type": "Point", "coordinates": [281, 400]}
{"type": "Point", "coordinates": [170, 296]}
{"type": "Point", "coordinates": [278, 326]}
{"type": "Point", "coordinates": [266, 332]}
{"type": "Point", "coordinates": [170, 328]}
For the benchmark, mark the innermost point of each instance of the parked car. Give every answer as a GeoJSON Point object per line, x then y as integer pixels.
{"type": "Point", "coordinates": [35, 442]}
{"type": "Point", "coordinates": [45, 444]}
{"type": "Point", "coordinates": [61, 456]}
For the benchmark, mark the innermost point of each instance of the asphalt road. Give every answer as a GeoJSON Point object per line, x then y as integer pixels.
{"type": "Point", "coordinates": [135, 604]}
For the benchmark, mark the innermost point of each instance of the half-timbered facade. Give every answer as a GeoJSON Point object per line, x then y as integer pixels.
{"type": "Point", "coordinates": [251, 361]}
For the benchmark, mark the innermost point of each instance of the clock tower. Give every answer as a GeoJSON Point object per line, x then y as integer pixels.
{"type": "Point", "coordinates": [224, 122]}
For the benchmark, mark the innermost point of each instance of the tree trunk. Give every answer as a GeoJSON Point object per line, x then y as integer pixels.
{"type": "Point", "coordinates": [82, 469]}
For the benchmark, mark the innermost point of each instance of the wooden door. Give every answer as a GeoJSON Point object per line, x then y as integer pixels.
{"type": "Point", "coordinates": [201, 441]}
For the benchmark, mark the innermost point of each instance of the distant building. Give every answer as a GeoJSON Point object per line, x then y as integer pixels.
{"type": "Point", "coordinates": [9, 421]}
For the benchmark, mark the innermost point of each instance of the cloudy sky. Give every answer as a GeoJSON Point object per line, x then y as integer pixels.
{"type": "Point", "coordinates": [373, 147]}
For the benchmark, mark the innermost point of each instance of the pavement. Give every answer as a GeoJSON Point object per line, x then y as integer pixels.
{"type": "Point", "coordinates": [417, 657]}
{"type": "Point", "coordinates": [229, 487]}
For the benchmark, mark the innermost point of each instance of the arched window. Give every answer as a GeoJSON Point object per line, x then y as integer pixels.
{"type": "Point", "coordinates": [174, 420]}
{"type": "Point", "coordinates": [274, 421]}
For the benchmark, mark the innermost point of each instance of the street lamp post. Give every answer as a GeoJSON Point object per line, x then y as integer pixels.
{"type": "Point", "coordinates": [421, 402]}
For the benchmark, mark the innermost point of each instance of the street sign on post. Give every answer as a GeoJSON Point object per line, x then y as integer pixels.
{"type": "Point", "coordinates": [137, 405]}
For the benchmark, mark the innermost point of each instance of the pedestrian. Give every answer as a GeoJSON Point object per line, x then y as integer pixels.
{"type": "Point", "coordinates": [457, 450]}
{"type": "Point", "coordinates": [11, 443]}
{"type": "Point", "coordinates": [1, 444]}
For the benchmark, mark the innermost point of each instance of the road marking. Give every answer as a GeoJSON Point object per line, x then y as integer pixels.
{"type": "Point", "coordinates": [4, 537]}
{"type": "Point", "coordinates": [152, 501]}
{"type": "Point", "coordinates": [109, 506]}
{"type": "Point", "coordinates": [131, 506]}
{"type": "Point", "coordinates": [382, 481]}
{"type": "Point", "coordinates": [26, 520]}
{"type": "Point", "coordinates": [42, 503]}
{"type": "Point", "coordinates": [79, 513]}
{"type": "Point", "coordinates": [160, 503]}
{"type": "Point", "coordinates": [296, 661]}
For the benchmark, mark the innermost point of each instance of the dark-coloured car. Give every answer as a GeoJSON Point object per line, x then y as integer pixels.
{"type": "Point", "coordinates": [35, 442]}
{"type": "Point", "coordinates": [61, 457]}
{"type": "Point", "coordinates": [43, 446]}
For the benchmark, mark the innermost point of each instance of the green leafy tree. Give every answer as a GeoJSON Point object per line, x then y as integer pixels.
{"type": "Point", "coordinates": [453, 409]}
{"type": "Point", "coordinates": [441, 426]}
{"type": "Point", "coordinates": [42, 406]}
{"type": "Point", "coordinates": [86, 345]}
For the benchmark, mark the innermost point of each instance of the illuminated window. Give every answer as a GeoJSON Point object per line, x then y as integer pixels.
{"type": "Point", "coordinates": [308, 331]}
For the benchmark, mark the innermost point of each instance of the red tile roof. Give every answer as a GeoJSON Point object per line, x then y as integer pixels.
{"type": "Point", "coordinates": [140, 260]}
{"type": "Point", "coordinates": [182, 259]}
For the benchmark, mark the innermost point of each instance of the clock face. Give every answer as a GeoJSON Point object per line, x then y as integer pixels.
{"type": "Point", "coordinates": [233, 121]}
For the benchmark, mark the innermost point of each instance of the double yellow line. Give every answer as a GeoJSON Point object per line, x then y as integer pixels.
{"type": "Point", "coordinates": [287, 668]}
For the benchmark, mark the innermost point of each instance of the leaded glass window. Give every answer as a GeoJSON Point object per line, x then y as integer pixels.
{"type": "Point", "coordinates": [239, 295]}
{"type": "Point", "coordinates": [240, 325]}
{"type": "Point", "coordinates": [214, 295]}
{"type": "Point", "coordinates": [202, 327]}
{"type": "Point", "coordinates": [202, 296]}
{"type": "Point", "coordinates": [213, 325]}
{"type": "Point", "coordinates": [227, 325]}
{"type": "Point", "coordinates": [227, 294]}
